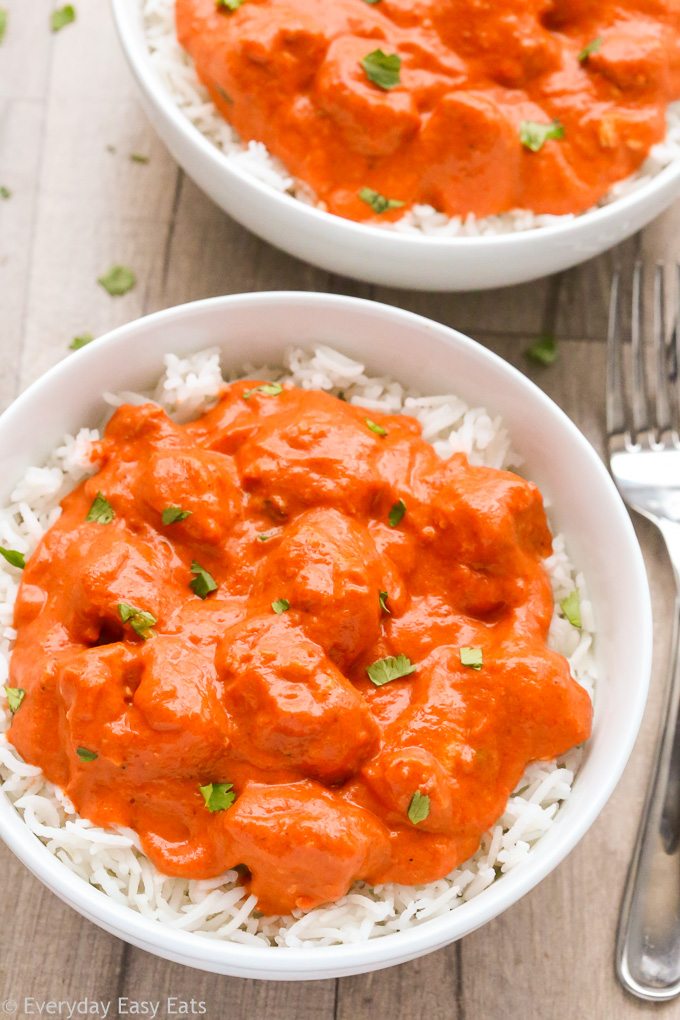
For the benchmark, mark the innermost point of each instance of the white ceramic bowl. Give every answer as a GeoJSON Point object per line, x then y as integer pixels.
{"type": "Point", "coordinates": [370, 253]}
{"type": "Point", "coordinates": [433, 358]}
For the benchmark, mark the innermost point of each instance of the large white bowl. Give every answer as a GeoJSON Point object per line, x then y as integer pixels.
{"type": "Point", "coordinates": [367, 252]}
{"type": "Point", "coordinates": [433, 358]}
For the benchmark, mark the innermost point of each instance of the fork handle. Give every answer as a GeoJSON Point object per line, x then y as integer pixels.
{"type": "Point", "coordinates": [648, 936]}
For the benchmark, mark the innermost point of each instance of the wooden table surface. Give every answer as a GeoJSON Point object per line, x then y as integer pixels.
{"type": "Point", "coordinates": [77, 208]}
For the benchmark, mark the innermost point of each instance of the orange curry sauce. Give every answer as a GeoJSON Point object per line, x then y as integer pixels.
{"type": "Point", "coordinates": [293, 499]}
{"type": "Point", "coordinates": [449, 131]}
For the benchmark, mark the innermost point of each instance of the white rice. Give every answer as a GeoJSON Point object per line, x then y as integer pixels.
{"type": "Point", "coordinates": [176, 71]}
{"type": "Point", "coordinates": [220, 908]}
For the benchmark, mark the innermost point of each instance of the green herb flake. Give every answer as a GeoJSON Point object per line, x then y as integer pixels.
{"type": "Point", "coordinates": [383, 597]}
{"type": "Point", "coordinates": [16, 559]}
{"type": "Point", "coordinates": [571, 607]}
{"type": "Point", "coordinates": [544, 352]}
{"type": "Point", "coordinates": [264, 537]}
{"type": "Point", "coordinates": [174, 514]}
{"type": "Point", "coordinates": [471, 657]}
{"type": "Point", "coordinates": [396, 513]}
{"type": "Point", "coordinates": [101, 511]}
{"type": "Point", "coordinates": [269, 389]}
{"type": "Point", "coordinates": [391, 668]}
{"type": "Point", "coordinates": [3, 23]}
{"type": "Point", "coordinates": [80, 341]}
{"type": "Point", "coordinates": [86, 755]}
{"type": "Point", "coordinates": [593, 47]}
{"type": "Point", "coordinates": [378, 202]}
{"type": "Point", "coordinates": [533, 135]}
{"type": "Point", "coordinates": [378, 429]}
{"type": "Point", "coordinates": [62, 16]}
{"type": "Point", "coordinates": [382, 69]}
{"type": "Point", "coordinates": [419, 808]}
{"type": "Point", "coordinates": [136, 157]}
{"type": "Point", "coordinates": [218, 796]}
{"type": "Point", "coordinates": [118, 281]}
{"type": "Point", "coordinates": [5, 192]}
{"type": "Point", "coordinates": [15, 695]}
{"type": "Point", "coordinates": [203, 583]}
{"type": "Point", "coordinates": [140, 621]}
{"type": "Point", "coordinates": [281, 606]}
{"type": "Point", "coordinates": [228, 5]}
{"type": "Point", "coordinates": [225, 95]}
{"type": "Point", "coordinates": [372, 2]}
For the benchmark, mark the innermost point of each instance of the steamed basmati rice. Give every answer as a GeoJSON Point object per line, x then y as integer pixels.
{"type": "Point", "coordinates": [177, 73]}
{"type": "Point", "coordinates": [220, 908]}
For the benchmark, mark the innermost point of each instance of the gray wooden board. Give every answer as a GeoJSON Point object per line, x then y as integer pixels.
{"type": "Point", "coordinates": [76, 209]}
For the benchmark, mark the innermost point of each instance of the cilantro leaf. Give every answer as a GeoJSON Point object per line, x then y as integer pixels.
{"type": "Point", "coordinates": [17, 559]}
{"type": "Point", "coordinates": [571, 607]}
{"type": "Point", "coordinates": [378, 202]}
{"type": "Point", "coordinates": [593, 47]}
{"type": "Point", "coordinates": [281, 606]}
{"type": "Point", "coordinates": [62, 17]}
{"type": "Point", "coordinates": [86, 755]}
{"type": "Point", "coordinates": [383, 597]}
{"type": "Point", "coordinates": [15, 695]}
{"type": "Point", "coordinates": [3, 24]}
{"type": "Point", "coordinates": [378, 429]}
{"type": "Point", "coordinates": [140, 621]}
{"type": "Point", "coordinates": [118, 281]}
{"type": "Point", "coordinates": [136, 157]}
{"type": "Point", "coordinates": [264, 537]}
{"type": "Point", "coordinates": [228, 5]}
{"type": "Point", "coordinates": [173, 514]}
{"type": "Point", "coordinates": [5, 192]}
{"type": "Point", "coordinates": [391, 668]}
{"type": "Point", "coordinates": [544, 352]}
{"type": "Point", "coordinates": [101, 511]}
{"type": "Point", "coordinates": [419, 808]}
{"type": "Point", "coordinates": [471, 657]}
{"type": "Point", "coordinates": [382, 69]}
{"type": "Point", "coordinates": [203, 583]}
{"type": "Point", "coordinates": [269, 389]}
{"type": "Point", "coordinates": [218, 796]}
{"type": "Point", "coordinates": [396, 513]}
{"type": "Point", "coordinates": [533, 135]}
{"type": "Point", "coordinates": [80, 341]}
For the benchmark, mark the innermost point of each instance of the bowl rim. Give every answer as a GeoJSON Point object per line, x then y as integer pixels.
{"type": "Point", "coordinates": [138, 57]}
{"type": "Point", "coordinates": [386, 950]}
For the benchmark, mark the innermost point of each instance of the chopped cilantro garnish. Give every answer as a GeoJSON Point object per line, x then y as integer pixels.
{"type": "Point", "coordinates": [3, 23]}
{"type": "Point", "coordinates": [471, 657]}
{"type": "Point", "coordinates": [545, 351]}
{"type": "Point", "coordinates": [534, 135]}
{"type": "Point", "coordinates": [396, 513]}
{"type": "Point", "coordinates": [80, 341]}
{"type": "Point", "coordinates": [593, 47]}
{"type": "Point", "coordinates": [225, 95]}
{"type": "Point", "coordinates": [203, 583]}
{"type": "Point", "coordinates": [136, 157]}
{"type": "Point", "coordinates": [383, 596]}
{"type": "Point", "coordinates": [5, 192]}
{"type": "Point", "coordinates": [16, 559]}
{"type": "Point", "coordinates": [173, 514]}
{"type": "Point", "coordinates": [15, 695]}
{"type": "Point", "coordinates": [264, 537]}
{"type": "Point", "coordinates": [62, 16]}
{"type": "Point", "coordinates": [419, 808]}
{"type": "Point", "coordinates": [218, 796]}
{"type": "Point", "coordinates": [140, 621]}
{"type": "Point", "coordinates": [378, 429]}
{"type": "Point", "coordinates": [571, 607]}
{"type": "Point", "coordinates": [269, 389]}
{"type": "Point", "coordinates": [281, 606]}
{"type": "Point", "coordinates": [228, 5]}
{"type": "Point", "coordinates": [391, 668]}
{"type": "Point", "coordinates": [119, 280]}
{"type": "Point", "coordinates": [378, 202]}
{"type": "Point", "coordinates": [86, 755]}
{"type": "Point", "coordinates": [382, 69]}
{"type": "Point", "coordinates": [101, 511]}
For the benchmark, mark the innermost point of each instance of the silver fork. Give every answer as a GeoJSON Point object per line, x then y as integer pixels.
{"type": "Point", "coordinates": [644, 456]}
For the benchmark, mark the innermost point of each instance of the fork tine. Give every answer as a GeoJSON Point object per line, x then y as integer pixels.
{"type": "Point", "coordinates": [661, 356]}
{"type": "Point", "coordinates": [641, 411]}
{"type": "Point", "coordinates": [618, 417]}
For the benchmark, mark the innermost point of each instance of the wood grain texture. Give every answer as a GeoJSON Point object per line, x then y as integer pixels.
{"type": "Point", "coordinates": [76, 209]}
